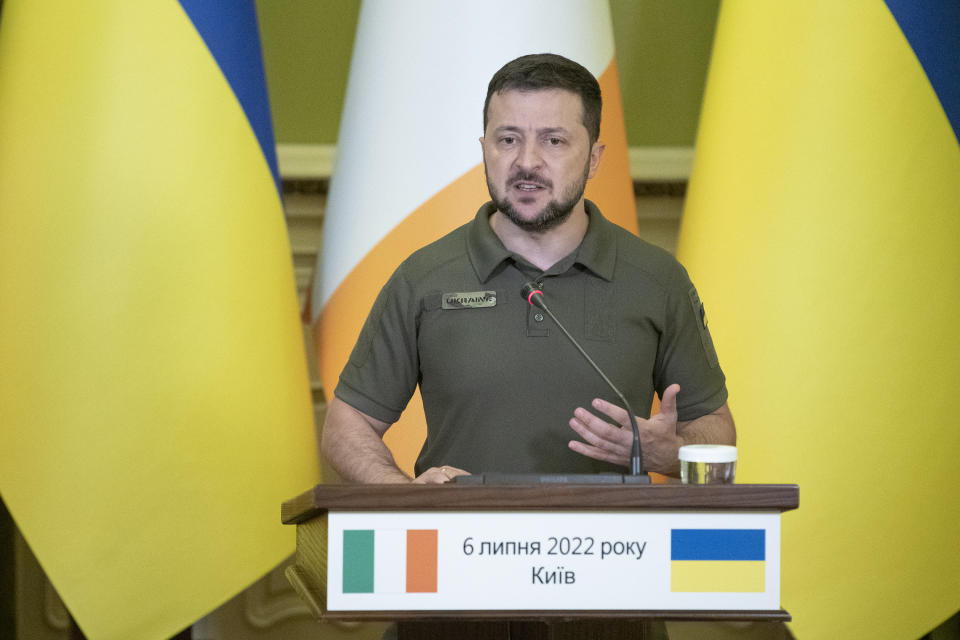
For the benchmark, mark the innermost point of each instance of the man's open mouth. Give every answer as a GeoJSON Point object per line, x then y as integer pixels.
{"type": "Point", "coordinates": [527, 186]}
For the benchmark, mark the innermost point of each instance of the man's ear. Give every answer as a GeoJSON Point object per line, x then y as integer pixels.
{"type": "Point", "coordinates": [596, 152]}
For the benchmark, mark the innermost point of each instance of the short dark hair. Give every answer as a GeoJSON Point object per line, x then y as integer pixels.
{"type": "Point", "coordinates": [550, 71]}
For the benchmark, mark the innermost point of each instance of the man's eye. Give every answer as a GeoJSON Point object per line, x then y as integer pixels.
{"type": "Point", "coordinates": [508, 140]}
{"type": "Point", "coordinates": [555, 142]}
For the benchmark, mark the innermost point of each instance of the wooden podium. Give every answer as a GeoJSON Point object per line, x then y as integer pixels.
{"type": "Point", "coordinates": [617, 553]}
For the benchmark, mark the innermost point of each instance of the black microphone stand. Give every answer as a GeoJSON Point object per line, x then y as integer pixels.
{"type": "Point", "coordinates": [534, 296]}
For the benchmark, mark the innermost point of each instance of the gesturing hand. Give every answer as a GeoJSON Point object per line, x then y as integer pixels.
{"type": "Point", "coordinates": [611, 439]}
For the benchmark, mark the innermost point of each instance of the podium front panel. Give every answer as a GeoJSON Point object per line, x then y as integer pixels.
{"type": "Point", "coordinates": [540, 552]}
{"type": "Point", "coordinates": [560, 561]}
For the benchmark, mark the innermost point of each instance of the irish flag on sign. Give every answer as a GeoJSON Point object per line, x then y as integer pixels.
{"type": "Point", "coordinates": [390, 561]}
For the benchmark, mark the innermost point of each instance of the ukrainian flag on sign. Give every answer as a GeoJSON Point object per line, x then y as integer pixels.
{"type": "Point", "coordinates": [717, 560]}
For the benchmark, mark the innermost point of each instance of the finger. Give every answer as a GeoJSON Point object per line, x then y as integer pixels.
{"type": "Point", "coordinates": [616, 413]}
{"type": "Point", "coordinates": [668, 403]}
{"type": "Point", "coordinates": [600, 434]}
{"type": "Point", "coordinates": [430, 476]}
{"type": "Point", "coordinates": [598, 454]}
{"type": "Point", "coordinates": [439, 475]}
{"type": "Point", "coordinates": [606, 427]}
{"type": "Point", "coordinates": [433, 475]}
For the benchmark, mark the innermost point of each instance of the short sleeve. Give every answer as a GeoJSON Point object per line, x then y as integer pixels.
{"type": "Point", "coordinates": [686, 354]}
{"type": "Point", "coordinates": [382, 372]}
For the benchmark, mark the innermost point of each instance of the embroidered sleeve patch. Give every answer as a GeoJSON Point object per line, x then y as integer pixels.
{"type": "Point", "coordinates": [700, 313]}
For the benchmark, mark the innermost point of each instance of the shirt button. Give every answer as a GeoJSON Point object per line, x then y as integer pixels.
{"type": "Point", "coordinates": [538, 317]}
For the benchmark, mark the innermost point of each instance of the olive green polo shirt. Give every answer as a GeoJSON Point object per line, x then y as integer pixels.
{"type": "Point", "coordinates": [499, 381]}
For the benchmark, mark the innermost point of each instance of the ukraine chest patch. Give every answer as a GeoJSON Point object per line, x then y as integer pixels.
{"type": "Point", "coordinates": [469, 300]}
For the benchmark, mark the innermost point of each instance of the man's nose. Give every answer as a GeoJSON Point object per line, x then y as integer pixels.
{"type": "Point", "coordinates": [529, 157]}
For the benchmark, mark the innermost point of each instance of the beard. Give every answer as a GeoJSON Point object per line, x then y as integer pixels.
{"type": "Point", "coordinates": [553, 214]}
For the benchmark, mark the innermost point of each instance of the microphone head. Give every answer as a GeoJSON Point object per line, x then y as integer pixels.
{"type": "Point", "coordinates": [528, 290]}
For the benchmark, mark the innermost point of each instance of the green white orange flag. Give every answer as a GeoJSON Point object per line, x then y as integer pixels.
{"type": "Point", "coordinates": [822, 226]}
{"type": "Point", "coordinates": [154, 400]}
{"type": "Point", "coordinates": [408, 158]}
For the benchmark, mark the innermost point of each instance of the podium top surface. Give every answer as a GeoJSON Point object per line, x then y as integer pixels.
{"type": "Point", "coordinates": [445, 497]}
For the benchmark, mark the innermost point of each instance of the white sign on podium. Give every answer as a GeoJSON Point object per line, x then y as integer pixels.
{"type": "Point", "coordinates": [575, 560]}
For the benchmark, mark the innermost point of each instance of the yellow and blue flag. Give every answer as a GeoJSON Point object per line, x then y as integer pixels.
{"type": "Point", "coordinates": [821, 226]}
{"type": "Point", "coordinates": [154, 399]}
{"type": "Point", "coordinates": [717, 560]}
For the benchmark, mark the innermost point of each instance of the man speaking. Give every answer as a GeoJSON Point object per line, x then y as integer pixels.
{"type": "Point", "coordinates": [503, 389]}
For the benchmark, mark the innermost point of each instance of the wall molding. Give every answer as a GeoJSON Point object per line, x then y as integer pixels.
{"type": "Point", "coordinates": [660, 164]}
{"type": "Point", "coordinates": [647, 164]}
{"type": "Point", "coordinates": [306, 161]}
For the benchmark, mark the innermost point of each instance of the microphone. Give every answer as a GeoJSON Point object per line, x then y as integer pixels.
{"type": "Point", "coordinates": [534, 296]}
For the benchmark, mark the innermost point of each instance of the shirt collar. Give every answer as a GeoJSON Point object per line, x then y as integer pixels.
{"type": "Point", "coordinates": [597, 250]}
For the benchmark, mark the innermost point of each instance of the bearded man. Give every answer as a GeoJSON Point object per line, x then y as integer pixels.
{"type": "Point", "coordinates": [502, 389]}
